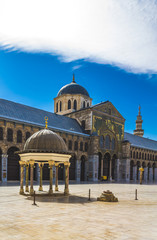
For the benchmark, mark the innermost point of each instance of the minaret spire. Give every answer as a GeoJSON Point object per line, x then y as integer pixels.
{"type": "Point", "coordinates": [139, 131]}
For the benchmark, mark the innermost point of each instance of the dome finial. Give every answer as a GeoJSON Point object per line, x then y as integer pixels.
{"type": "Point", "coordinates": [73, 78]}
{"type": "Point", "coordinates": [46, 121]}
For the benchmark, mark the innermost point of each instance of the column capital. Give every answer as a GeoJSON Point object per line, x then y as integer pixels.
{"type": "Point", "coordinates": [57, 164]}
{"type": "Point", "coordinates": [41, 164]}
{"type": "Point", "coordinates": [67, 164]}
{"type": "Point", "coordinates": [4, 155]}
{"type": "Point", "coordinates": [51, 163]}
{"type": "Point", "coordinates": [22, 163]}
{"type": "Point", "coordinates": [31, 162]}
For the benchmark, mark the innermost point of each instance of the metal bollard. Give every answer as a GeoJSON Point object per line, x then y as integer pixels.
{"type": "Point", "coordinates": [34, 199]}
{"type": "Point", "coordinates": [136, 194]}
{"type": "Point", "coordinates": [89, 195]}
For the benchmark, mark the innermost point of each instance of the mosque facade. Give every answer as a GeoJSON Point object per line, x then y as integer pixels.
{"type": "Point", "coordinates": [94, 135]}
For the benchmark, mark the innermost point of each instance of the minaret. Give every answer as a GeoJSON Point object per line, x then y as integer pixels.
{"type": "Point", "coordinates": [139, 131]}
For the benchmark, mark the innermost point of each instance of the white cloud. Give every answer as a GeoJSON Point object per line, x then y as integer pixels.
{"type": "Point", "coordinates": [118, 32]}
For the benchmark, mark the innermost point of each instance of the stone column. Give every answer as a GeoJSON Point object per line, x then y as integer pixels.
{"type": "Point", "coordinates": [22, 176]}
{"type": "Point", "coordinates": [93, 167]}
{"type": "Point", "coordinates": [56, 181]}
{"type": "Point", "coordinates": [135, 173]}
{"type": "Point", "coordinates": [41, 176]}
{"type": "Point", "coordinates": [118, 170]}
{"type": "Point", "coordinates": [151, 175]}
{"type": "Point", "coordinates": [66, 166]}
{"type": "Point", "coordinates": [102, 167]}
{"type": "Point", "coordinates": [127, 170]}
{"type": "Point", "coordinates": [4, 167]}
{"type": "Point", "coordinates": [31, 176]}
{"type": "Point", "coordinates": [78, 166]}
{"type": "Point", "coordinates": [146, 174]}
{"type": "Point", "coordinates": [27, 177]}
{"type": "Point", "coordinates": [51, 163]}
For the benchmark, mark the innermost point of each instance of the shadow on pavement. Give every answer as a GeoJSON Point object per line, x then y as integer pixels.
{"type": "Point", "coordinates": [61, 199]}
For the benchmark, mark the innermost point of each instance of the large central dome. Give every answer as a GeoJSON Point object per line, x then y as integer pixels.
{"type": "Point", "coordinates": [73, 88]}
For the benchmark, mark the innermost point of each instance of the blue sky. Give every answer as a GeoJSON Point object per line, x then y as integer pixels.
{"type": "Point", "coordinates": [35, 78]}
{"type": "Point", "coordinates": [110, 45]}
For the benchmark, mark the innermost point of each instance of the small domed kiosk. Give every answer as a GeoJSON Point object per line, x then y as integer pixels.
{"type": "Point", "coordinates": [44, 147]}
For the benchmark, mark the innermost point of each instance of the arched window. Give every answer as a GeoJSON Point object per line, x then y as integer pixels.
{"type": "Point", "coordinates": [107, 142]}
{"type": "Point", "coordinates": [75, 104]}
{"type": "Point", "coordinates": [76, 146]}
{"type": "Point", "coordinates": [83, 104]}
{"type": "Point", "coordinates": [145, 156]}
{"type": "Point", "coordinates": [81, 146]}
{"type": "Point", "coordinates": [136, 155]}
{"type": "Point", "coordinates": [142, 156]}
{"type": "Point", "coordinates": [69, 104]}
{"type": "Point", "coordinates": [86, 147]}
{"type": "Point", "coordinates": [113, 144]}
{"type": "Point", "coordinates": [27, 135]}
{"type": "Point", "coordinates": [87, 104]}
{"type": "Point", "coordinates": [101, 141]}
{"type": "Point", "coordinates": [83, 124]}
{"type": "Point", "coordinates": [19, 136]}
{"type": "Point", "coordinates": [148, 156]}
{"type": "Point", "coordinates": [9, 135]}
{"type": "Point", "coordinates": [70, 145]}
{"type": "Point", "coordinates": [56, 107]}
{"type": "Point", "coordinates": [1, 133]}
{"type": "Point", "coordinates": [139, 155]}
{"type": "Point", "coordinates": [60, 106]}
{"type": "Point", "coordinates": [133, 154]}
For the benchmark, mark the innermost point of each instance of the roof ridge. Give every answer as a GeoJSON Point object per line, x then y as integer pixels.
{"type": "Point", "coordinates": [21, 104]}
{"type": "Point", "coordinates": [141, 137]}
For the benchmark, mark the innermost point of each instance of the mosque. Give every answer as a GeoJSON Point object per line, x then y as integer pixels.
{"type": "Point", "coordinates": [93, 134]}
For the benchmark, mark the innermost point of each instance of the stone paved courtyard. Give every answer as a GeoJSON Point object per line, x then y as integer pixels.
{"type": "Point", "coordinates": [76, 218]}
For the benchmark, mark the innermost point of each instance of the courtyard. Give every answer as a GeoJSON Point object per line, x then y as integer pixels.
{"type": "Point", "coordinates": [75, 217]}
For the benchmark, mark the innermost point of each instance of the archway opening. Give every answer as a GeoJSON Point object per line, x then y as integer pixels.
{"type": "Point", "coordinates": [148, 176]}
{"type": "Point", "coordinates": [83, 159]}
{"type": "Point", "coordinates": [99, 169]}
{"type": "Point", "coordinates": [72, 168]}
{"type": "Point", "coordinates": [13, 169]}
{"type": "Point", "coordinates": [113, 170]}
{"type": "Point", "coordinates": [137, 173]}
{"type": "Point", "coordinates": [131, 169]}
{"type": "Point", "coordinates": [106, 165]}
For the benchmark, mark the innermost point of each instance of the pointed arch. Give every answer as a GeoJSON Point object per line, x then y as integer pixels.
{"type": "Point", "coordinates": [69, 104]}
{"type": "Point", "coordinates": [1, 133]}
{"type": "Point", "coordinates": [75, 104]}
{"type": "Point", "coordinates": [60, 106]}
{"type": "Point", "coordinates": [13, 167]}
{"type": "Point", "coordinates": [19, 136]}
